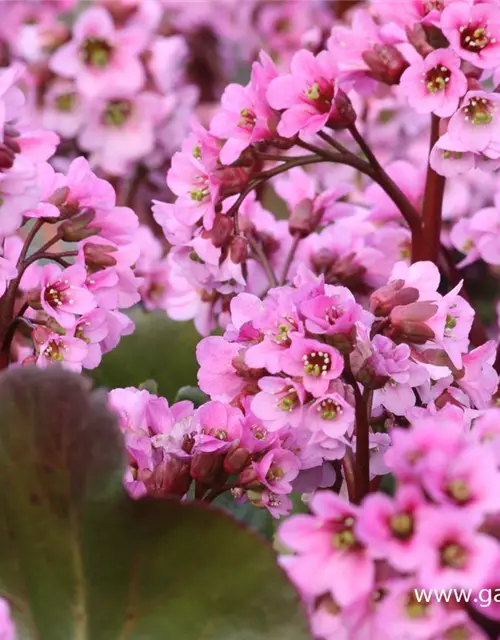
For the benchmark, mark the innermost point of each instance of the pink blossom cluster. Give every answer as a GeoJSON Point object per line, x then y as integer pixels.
{"type": "Point", "coordinates": [67, 249]}
{"type": "Point", "coordinates": [361, 567]}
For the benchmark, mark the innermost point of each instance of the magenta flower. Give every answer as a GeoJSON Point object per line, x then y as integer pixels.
{"type": "Point", "coordinates": [480, 379]}
{"type": "Point", "coordinates": [451, 157]}
{"type": "Point", "coordinates": [476, 124]}
{"type": "Point", "coordinates": [435, 84]}
{"type": "Point", "coordinates": [307, 95]}
{"type": "Point", "coordinates": [220, 427]}
{"type": "Point", "coordinates": [63, 293]}
{"type": "Point", "coordinates": [330, 557]}
{"type": "Point", "coordinates": [317, 363]}
{"type": "Point", "coordinates": [473, 32]}
{"type": "Point", "coordinates": [331, 415]}
{"type": "Point", "coordinates": [452, 553]}
{"type": "Point", "coordinates": [217, 376]}
{"type": "Point", "coordinates": [68, 351]}
{"type": "Point", "coordinates": [388, 526]}
{"type": "Point", "coordinates": [279, 403]}
{"type": "Point", "coordinates": [277, 469]}
{"type": "Point", "coordinates": [100, 57]}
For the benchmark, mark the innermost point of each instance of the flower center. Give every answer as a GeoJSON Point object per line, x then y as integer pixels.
{"type": "Point", "coordinates": [274, 500]}
{"type": "Point", "coordinates": [437, 78]}
{"type": "Point", "coordinates": [289, 401]}
{"type": "Point", "coordinates": [248, 119]}
{"type": "Point", "coordinates": [451, 323]}
{"type": "Point", "coordinates": [414, 608]}
{"type": "Point", "coordinates": [117, 113]}
{"type": "Point", "coordinates": [401, 525]}
{"type": "Point", "coordinates": [329, 409]}
{"type": "Point", "coordinates": [58, 294]}
{"type": "Point", "coordinates": [197, 152]}
{"type": "Point", "coordinates": [320, 94]}
{"type": "Point", "coordinates": [475, 37]}
{"type": "Point", "coordinates": [259, 433]}
{"type": "Point", "coordinates": [453, 555]}
{"type": "Point", "coordinates": [433, 5]}
{"type": "Point", "coordinates": [459, 491]}
{"type": "Point", "coordinates": [452, 155]}
{"type": "Point", "coordinates": [96, 52]}
{"type": "Point", "coordinates": [316, 363]}
{"type": "Point", "coordinates": [480, 111]}
{"type": "Point", "coordinates": [54, 351]}
{"type": "Point", "coordinates": [66, 102]}
{"type": "Point", "coordinates": [345, 539]}
{"type": "Point", "coordinates": [275, 473]}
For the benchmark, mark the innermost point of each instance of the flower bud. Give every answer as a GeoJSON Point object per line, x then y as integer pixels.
{"type": "Point", "coordinates": [249, 478]}
{"type": "Point", "coordinates": [97, 255]}
{"type": "Point", "coordinates": [235, 461]}
{"type": "Point", "coordinates": [205, 467]}
{"type": "Point", "coordinates": [33, 299]}
{"type": "Point", "coordinates": [344, 115]}
{"type": "Point", "coordinates": [238, 251]}
{"type": "Point", "coordinates": [54, 326]}
{"type": "Point", "coordinates": [169, 478]}
{"type": "Point", "coordinates": [302, 221]}
{"type": "Point", "coordinates": [77, 229]}
{"type": "Point", "coordinates": [369, 377]}
{"type": "Point", "coordinates": [417, 37]}
{"type": "Point", "coordinates": [221, 231]}
{"type": "Point", "coordinates": [386, 64]}
{"type": "Point", "coordinates": [7, 158]}
{"type": "Point", "coordinates": [344, 342]}
{"type": "Point", "coordinates": [409, 322]}
{"type": "Point", "coordinates": [59, 196]}
{"type": "Point", "coordinates": [231, 180]}
{"type": "Point", "coordinates": [383, 300]}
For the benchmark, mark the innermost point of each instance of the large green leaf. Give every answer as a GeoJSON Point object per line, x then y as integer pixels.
{"type": "Point", "coordinates": [79, 560]}
{"type": "Point", "coordinates": [159, 349]}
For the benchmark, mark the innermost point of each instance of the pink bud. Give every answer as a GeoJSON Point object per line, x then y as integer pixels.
{"type": "Point", "coordinates": [248, 478]}
{"type": "Point", "coordinates": [235, 461]}
{"type": "Point", "coordinates": [383, 300]}
{"type": "Point", "coordinates": [97, 255]}
{"type": "Point", "coordinates": [77, 229]}
{"type": "Point", "coordinates": [205, 467]}
{"type": "Point", "coordinates": [169, 478]}
{"type": "Point", "coordinates": [417, 37]}
{"type": "Point", "coordinates": [221, 231]}
{"type": "Point", "coordinates": [302, 221]}
{"type": "Point", "coordinates": [386, 64]}
{"type": "Point", "coordinates": [239, 250]}
{"type": "Point", "coordinates": [409, 322]}
{"type": "Point", "coordinates": [344, 115]}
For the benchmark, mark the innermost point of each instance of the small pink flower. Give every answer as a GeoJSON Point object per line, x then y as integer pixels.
{"type": "Point", "coordinates": [277, 469]}
{"type": "Point", "coordinates": [99, 56]}
{"type": "Point", "coordinates": [476, 124]}
{"type": "Point", "coordinates": [307, 95]}
{"type": "Point", "coordinates": [452, 553]}
{"type": "Point", "coordinates": [63, 293]}
{"type": "Point", "coordinates": [316, 362]}
{"type": "Point", "coordinates": [217, 376]}
{"type": "Point", "coordinates": [66, 350]}
{"type": "Point", "coordinates": [387, 527]}
{"type": "Point", "coordinates": [435, 84]}
{"type": "Point", "coordinates": [480, 380]}
{"type": "Point", "coordinates": [279, 403]}
{"type": "Point", "coordinates": [220, 427]}
{"type": "Point", "coordinates": [330, 557]}
{"type": "Point", "coordinates": [451, 157]}
{"type": "Point", "coordinates": [473, 32]}
{"type": "Point", "coordinates": [330, 414]}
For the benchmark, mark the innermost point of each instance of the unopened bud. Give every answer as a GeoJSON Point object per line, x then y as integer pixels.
{"type": "Point", "coordinates": [98, 255]}
{"type": "Point", "coordinates": [169, 478]}
{"type": "Point", "coordinates": [77, 229]}
{"type": "Point", "coordinates": [238, 251]}
{"type": "Point", "coordinates": [417, 37]}
{"type": "Point", "coordinates": [383, 300]}
{"type": "Point", "coordinates": [302, 221]}
{"type": "Point", "coordinates": [7, 158]}
{"type": "Point", "coordinates": [343, 342]}
{"type": "Point", "coordinates": [59, 196]}
{"type": "Point", "coordinates": [248, 478]}
{"type": "Point", "coordinates": [235, 461]}
{"type": "Point", "coordinates": [344, 115]}
{"type": "Point", "coordinates": [33, 299]}
{"type": "Point", "coordinates": [231, 180]}
{"type": "Point", "coordinates": [221, 231]}
{"type": "Point", "coordinates": [205, 467]}
{"type": "Point", "coordinates": [369, 377]}
{"type": "Point", "coordinates": [409, 322]}
{"type": "Point", "coordinates": [386, 64]}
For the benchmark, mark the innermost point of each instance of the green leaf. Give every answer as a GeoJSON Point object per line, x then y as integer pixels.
{"type": "Point", "coordinates": [159, 349]}
{"type": "Point", "coordinates": [259, 520]}
{"type": "Point", "coordinates": [79, 560]}
{"type": "Point", "coordinates": [194, 394]}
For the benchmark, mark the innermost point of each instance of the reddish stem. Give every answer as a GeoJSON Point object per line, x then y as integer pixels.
{"type": "Point", "coordinates": [429, 247]}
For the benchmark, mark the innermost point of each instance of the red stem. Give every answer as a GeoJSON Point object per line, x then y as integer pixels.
{"type": "Point", "coordinates": [429, 247]}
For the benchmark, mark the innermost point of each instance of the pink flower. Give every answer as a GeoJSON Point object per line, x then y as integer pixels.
{"type": "Point", "coordinates": [330, 556]}
{"type": "Point", "coordinates": [66, 350]}
{"type": "Point", "coordinates": [435, 84]}
{"type": "Point", "coordinates": [317, 363]}
{"type": "Point", "coordinates": [8, 271]}
{"type": "Point", "coordinates": [277, 469]}
{"type": "Point", "coordinates": [92, 328]}
{"type": "Point", "coordinates": [307, 95]}
{"type": "Point", "coordinates": [63, 294]}
{"type": "Point", "coordinates": [473, 32]}
{"type": "Point", "coordinates": [452, 553]}
{"type": "Point", "coordinates": [279, 403]}
{"type": "Point", "coordinates": [64, 108]}
{"type": "Point", "coordinates": [423, 276]}
{"type": "Point", "coordinates": [476, 124]}
{"type": "Point", "coordinates": [470, 481]}
{"type": "Point", "coordinates": [480, 380]}
{"type": "Point", "coordinates": [451, 157]}
{"type": "Point", "coordinates": [387, 527]}
{"type": "Point", "coordinates": [331, 415]}
{"type": "Point", "coordinates": [217, 376]}
{"type": "Point", "coordinates": [220, 427]}
{"type": "Point", "coordinates": [100, 57]}
{"type": "Point", "coordinates": [245, 116]}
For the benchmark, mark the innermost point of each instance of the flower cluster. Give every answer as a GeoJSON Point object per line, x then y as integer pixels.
{"type": "Point", "coordinates": [361, 568]}
{"type": "Point", "coordinates": [66, 250]}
